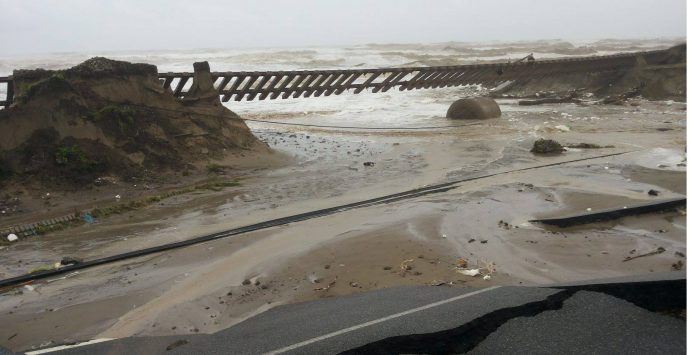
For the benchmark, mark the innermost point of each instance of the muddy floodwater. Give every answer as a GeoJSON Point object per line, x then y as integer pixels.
{"type": "Point", "coordinates": [416, 241]}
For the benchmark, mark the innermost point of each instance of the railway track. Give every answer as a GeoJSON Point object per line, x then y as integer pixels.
{"type": "Point", "coordinates": [262, 85]}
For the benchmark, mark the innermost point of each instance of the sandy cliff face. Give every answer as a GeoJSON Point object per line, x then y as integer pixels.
{"type": "Point", "coordinates": [105, 116]}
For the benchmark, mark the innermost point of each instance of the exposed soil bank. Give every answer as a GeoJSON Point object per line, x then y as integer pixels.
{"type": "Point", "coordinates": [78, 137]}
{"type": "Point", "coordinates": [114, 119]}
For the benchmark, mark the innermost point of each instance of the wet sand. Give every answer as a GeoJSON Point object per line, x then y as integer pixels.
{"type": "Point", "coordinates": [200, 288]}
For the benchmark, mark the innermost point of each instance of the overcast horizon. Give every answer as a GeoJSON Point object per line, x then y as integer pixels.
{"type": "Point", "coordinates": [58, 26]}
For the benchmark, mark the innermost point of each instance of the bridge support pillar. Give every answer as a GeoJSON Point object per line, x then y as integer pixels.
{"type": "Point", "coordinates": [202, 89]}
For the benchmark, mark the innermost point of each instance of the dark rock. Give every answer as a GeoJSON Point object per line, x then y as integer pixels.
{"type": "Point", "coordinates": [474, 108]}
{"type": "Point", "coordinates": [369, 163]}
{"type": "Point", "coordinates": [653, 192]}
{"type": "Point", "coordinates": [547, 146]}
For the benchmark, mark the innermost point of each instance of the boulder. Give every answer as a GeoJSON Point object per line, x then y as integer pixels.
{"type": "Point", "coordinates": [547, 146]}
{"type": "Point", "coordinates": [474, 108]}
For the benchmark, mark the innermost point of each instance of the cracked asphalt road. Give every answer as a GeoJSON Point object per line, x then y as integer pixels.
{"type": "Point", "coordinates": [564, 319]}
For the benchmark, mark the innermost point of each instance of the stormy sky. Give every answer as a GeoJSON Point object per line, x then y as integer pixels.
{"type": "Point", "coordinates": [40, 26]}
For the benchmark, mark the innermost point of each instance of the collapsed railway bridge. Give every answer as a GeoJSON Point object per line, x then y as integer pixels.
{"type": "Point", "coordinates": [261, 85]}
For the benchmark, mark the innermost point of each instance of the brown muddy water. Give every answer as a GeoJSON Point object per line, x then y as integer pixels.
{"type": "Point", "coordinates": [202, 288]}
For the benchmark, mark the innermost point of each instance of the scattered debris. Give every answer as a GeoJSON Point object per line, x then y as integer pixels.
{"type": "Point", "coordinates": [369, 163]}
{"type": "Point", "coordinates": [659, 250]}
{"type": "Point", "coordinates": [330, 284]}
{"type": "Point", "coordinates": [487, 277]}
{"type": "Point", "coordinates": [437, 283]}
{"type": "Point", "coordinates": [587, 146]}
{"type": "Point", "coordinates": [314, 279]}
{"type": "Point", "coordinates": [680, 254]}
{"type": "Point", "coordinates": [246, 282]}
{"type": "Point", "coordinates": [483, 268]}
{"type": "Point", "coordinates": [68, 260]}
{"type": "Point", "coordinates": [547, 146]}
{"type": "Point", "coordinates": [100, 181]}
{"type": "Point", "coordinates": [405, 267]}
{"type": "Point", "coordinates": [653, 192]}
{"type": "Point", "coordinates": [621, 98]}
{"type": "Point", "coordinates": [43, 268]}
{"type": "Point", "coordinates": [354, 284]}
{"type": "Point", "coordinates": [570, 98]}
{"type": "Point", "coordinates": [472, 240]}
{"type": "Point", "coordinates": [88, 218]}
{"type": "Point", "coordinates": [12, 237]}
{"type": "Point", "coordinates": [678, 265]}
{"type": "Point", "coordinates": [469, 272]}
{"type": "Point", "coordinates": [64, 277]}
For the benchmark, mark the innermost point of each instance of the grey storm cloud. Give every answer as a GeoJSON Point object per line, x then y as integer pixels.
{"type": "Point", "coordinates": [97, 25]}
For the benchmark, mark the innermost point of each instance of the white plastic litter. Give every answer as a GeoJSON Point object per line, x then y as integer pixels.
{"type": "Point", "coordinates": [487, 277]}
{"type": "Point", "coordinates": [469, 272]}
{"type": "Point", "coordinates": [444, 236]}
{"type": "Point", "coordinates": [12, 237]}
{"type": "Point", "coordinates": [117, 197]}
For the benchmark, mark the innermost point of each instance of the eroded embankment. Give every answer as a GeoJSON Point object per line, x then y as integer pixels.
{"type": "Point", "coordinates": [112, 118]}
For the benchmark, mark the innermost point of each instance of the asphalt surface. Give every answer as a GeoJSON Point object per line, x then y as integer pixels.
{"type": "Point", "coordinates": [590, 323]}
{"type": "Point", "coordinates": [564, 318]}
